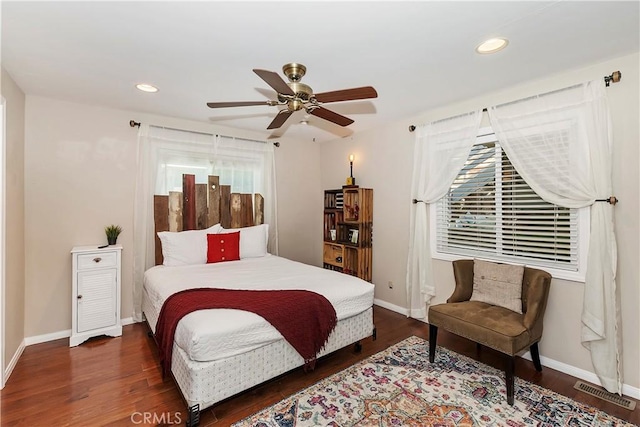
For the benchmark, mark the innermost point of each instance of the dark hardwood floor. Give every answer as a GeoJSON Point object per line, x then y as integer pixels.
{"type": "Point", "coordinates": [117, 381]}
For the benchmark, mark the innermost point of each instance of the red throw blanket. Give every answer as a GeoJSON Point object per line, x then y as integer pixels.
{"type": "Point", "coordinates": [304, 318]}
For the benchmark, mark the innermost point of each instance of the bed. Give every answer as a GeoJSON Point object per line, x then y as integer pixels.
{"type": "Point", "coordinates": [218, 353]}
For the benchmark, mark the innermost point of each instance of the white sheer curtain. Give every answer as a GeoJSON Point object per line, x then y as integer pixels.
{"type": "Point", "coordinates": [165, 154]}
{"type": "Point", "coordinates": [560, 143]}
{"type": "Point", "coordinates": [441, 150]}
{"type": "Point", "coordinates": [143, 225]}
{"type": "Point", "coordinates": [233, 158]}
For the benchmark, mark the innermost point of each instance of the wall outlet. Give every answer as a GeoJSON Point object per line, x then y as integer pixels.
{"type": "Point", "coordinates": [390, 284]}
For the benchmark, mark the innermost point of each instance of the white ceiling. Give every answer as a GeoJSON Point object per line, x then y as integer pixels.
{"type": "Point", "coordinates": [418, 55]}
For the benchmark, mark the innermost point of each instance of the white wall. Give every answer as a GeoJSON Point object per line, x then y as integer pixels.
{"type": "Point", "coordinates": [384, 162]}
{"type": "Point", "coordinates": [80, 172]}
{"type": "Point", "coordinates": [14, 218]}
{"type": "Point", "coordinates": [299, 201]}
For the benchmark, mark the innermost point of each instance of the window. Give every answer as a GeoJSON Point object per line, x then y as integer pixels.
{"type": "Point", "coordinates": [244, 176]}
{"type": "Point", "coordinates": [490, 212]}
{"type": "Point", "coordinates": [241, 164]}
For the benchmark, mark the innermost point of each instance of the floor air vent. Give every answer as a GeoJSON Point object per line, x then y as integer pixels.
{"type": "Point", "coordinates": [603, 394]}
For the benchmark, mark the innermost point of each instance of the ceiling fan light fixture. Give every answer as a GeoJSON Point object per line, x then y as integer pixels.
{"type": "Point", "coordinates": [297, 96]}
{"type": "Point", "coordinates": [492, 45]}
{"type": "Point", "coordinates": [146, 87]}
{"type": "Point", "coordinates": [305, 120]}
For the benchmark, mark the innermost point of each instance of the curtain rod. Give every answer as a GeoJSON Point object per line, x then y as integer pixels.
{"type": "Point", "coordinates": [614, 77]}
{"type": "Point", "coordinates": [613, 200]}
{"type": "Point", "coordinates": [133, 124]}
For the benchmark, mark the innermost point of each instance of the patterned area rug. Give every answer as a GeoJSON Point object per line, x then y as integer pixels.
{"type": "Point", "coordinates": [399, 387]}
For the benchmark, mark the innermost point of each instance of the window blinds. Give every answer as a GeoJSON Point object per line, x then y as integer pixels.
{"type": "Point", "coordinates": [491, 212]}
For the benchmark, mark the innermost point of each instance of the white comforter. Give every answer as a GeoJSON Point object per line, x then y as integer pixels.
{"type": "Point", "coordinates": [216, 334]}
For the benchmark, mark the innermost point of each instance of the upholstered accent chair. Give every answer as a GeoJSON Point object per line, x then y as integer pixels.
{"type": "Point", "coordinates": [491, 325]}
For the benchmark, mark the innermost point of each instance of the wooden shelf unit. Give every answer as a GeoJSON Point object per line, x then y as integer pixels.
{"type": "Point", "coordinates": [348, 211]}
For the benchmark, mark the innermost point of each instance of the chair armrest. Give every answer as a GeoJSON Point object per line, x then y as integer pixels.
{"type": "Point", "coordinates": [536, 284]}
{"type": "Point", "coordinates": [463, 274]}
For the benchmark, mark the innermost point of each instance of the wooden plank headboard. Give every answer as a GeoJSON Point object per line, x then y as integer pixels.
{"type": "Point", "coordinates": [199, 206]}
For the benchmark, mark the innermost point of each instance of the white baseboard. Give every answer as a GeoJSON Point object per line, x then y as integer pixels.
{"type": "Point", "coordinates": [416, 314]}
{"type": "Point", "coordinates": [39, 339]}
{"type": "Point", "coordinates": [127, 321]}
{"type": "Point", "coordinates": [13, 361]}
{"type": "Point", "coordinates": [391, 307]}
{"type": "Point", "coordinates": [630, 391]}
{"type": "Point", "coordinates": [581, 374]}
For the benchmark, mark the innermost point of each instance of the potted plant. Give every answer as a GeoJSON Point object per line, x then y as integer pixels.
{"type": "Point", "coordinates": [112, 232]}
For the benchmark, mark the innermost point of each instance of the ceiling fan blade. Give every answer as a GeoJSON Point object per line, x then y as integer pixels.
{"type": "Point", "coordinates": [275, 81]}
{"type": "Point", "coordinates": [281, 117]}
{"type": "Point", "coordinates": [235, 104]}
{"type": "Point", "coordinates": [364, 92]}
{"type": "Point", "coordinates": [336, 118]}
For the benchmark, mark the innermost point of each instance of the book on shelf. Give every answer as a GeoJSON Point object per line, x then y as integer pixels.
{"type": "Point", "coordinates": [332, 267]}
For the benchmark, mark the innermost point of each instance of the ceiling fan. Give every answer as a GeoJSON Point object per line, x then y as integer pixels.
{"type": "Point", "coordinates": [296, 96]}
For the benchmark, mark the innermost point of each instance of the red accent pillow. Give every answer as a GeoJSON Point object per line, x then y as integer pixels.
{"type": "Point", "coordinates": [223, 247]}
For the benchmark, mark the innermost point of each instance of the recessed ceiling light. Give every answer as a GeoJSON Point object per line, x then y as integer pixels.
{"type": "Point", "coordinates": [146, 87]}
{"type": "Point", "coordinates": [492, 45]}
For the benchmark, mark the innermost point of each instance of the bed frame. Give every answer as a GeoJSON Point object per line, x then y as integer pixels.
{"type": "Point", "coordinates": [203, 384]}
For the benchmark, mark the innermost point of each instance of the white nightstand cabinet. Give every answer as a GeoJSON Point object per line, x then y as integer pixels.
{"type": "Point", "coordinates": [95, 299]}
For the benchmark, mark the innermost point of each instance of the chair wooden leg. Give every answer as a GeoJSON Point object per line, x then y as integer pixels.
{"type": "Point", "coordinates": [433, 335]}
{"type": "Point", "coordinates": [511, 361]}
{"type": "Point", "coordinates": [535, 356]}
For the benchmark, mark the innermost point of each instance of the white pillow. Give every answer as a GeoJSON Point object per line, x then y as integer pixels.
{"type": "Point", "coordinates": [186, 247]}
{"type": "Point", "coordinates": [253, 240]}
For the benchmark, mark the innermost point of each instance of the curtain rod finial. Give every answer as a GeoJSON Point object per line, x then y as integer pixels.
{"type": "Point", "coordinates": [412, 128]}
{"type": "Point", "coordinates": [614, 77]}
{"type": "Point", "coordinates": [133, 123]}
